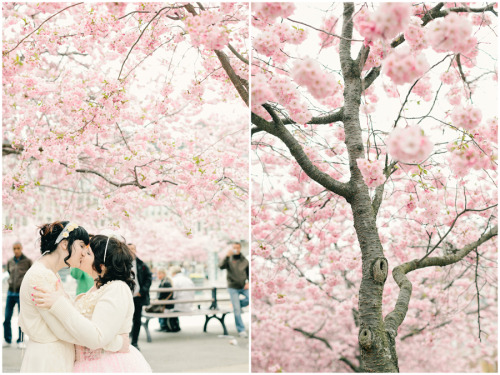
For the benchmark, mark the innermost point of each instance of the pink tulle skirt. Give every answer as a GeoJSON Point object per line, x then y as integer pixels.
{"type": "Point", "coordinates": [101, 361]}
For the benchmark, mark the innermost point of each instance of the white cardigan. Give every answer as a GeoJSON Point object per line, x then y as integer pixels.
{"type": "Point", "coordinates": [108, 314]}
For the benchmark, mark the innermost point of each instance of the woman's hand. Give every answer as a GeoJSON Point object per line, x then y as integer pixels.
{"type": "Point", "coordinates": [44, 299]}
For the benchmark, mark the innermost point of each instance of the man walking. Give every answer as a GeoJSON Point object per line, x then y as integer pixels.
{"type": "Point", "coordinates": [143, 279]}
{"type": "Point", "coordinates": [237, 281]}
{"type": "Point", "coordinates": [17, 267]}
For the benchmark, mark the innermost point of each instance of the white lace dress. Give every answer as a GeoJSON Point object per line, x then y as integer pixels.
{"type": "Point", "coordinates": [107, 311]}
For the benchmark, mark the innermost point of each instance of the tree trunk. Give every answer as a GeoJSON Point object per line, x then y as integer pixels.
{"type": "Point", "coordinates": [378, 352]}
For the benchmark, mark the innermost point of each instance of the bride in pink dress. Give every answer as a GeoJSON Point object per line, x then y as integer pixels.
{"type": "Point", "coordinates": [103, 312]}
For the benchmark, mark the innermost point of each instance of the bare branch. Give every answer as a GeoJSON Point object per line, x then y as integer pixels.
{"type": "Point", "coordinates": [226, 65]}
{"type": "Point", "coordinates": [394, 319]}
{"type": "Point", "coordinates": [280, 131]}
{"type": "Point", "coordinates": [477, 295]}
{"type": "Point", "coordinates": [351, 365]}
{"type": "Point", "coordinates": [34, 31]}
{"type": "Point", "coordinates": [237, 54]}
{"type": "Point", "coordinates": [140, 36]}
{"type": "Point", "coordinates": [118, 184]}
{"type": "Point", "coordinates": [326, 32]}
{"type": "Point", "coordinates": [313, 336]}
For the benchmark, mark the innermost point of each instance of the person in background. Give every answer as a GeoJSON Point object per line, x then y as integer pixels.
{"type": "Point", "coordinates": [17, 268]}
{"type": "Point", "coordinates": [179, 280]}
{"type": "Point", "coordinates": [83, 281]}
{"type": "Point", "coordinates": [237, 283]}
{"type": "Point", "coordinates": [143, 279]}
{"type": "Point", "coordinates": [165, 282]}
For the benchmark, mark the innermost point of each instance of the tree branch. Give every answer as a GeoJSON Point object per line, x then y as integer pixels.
{"type": "Point", "coordinates": [237, 54]}
{"type": "Point", "coordinates": [117, 184]}
{"type": "Point", "coordinates": [280, 131]}
{"type": "Point", "coordinates": [137, 41]}
{"type": "Point", "coordinates": [313, 336]}
{"type": "Point", "coordinates": [379, 191]}
{"type": "Point", "coordinates": [8, 149]}
{"type": "Point", "coordinates": [394, 319]}
{"type": "Point", "coordinates": [34, 31]}
{"type": "Point", "coordinates": [418, 330]}
{"type": "Point", "coordinates": [436, 12]}
{"type": "Point", "coordinates": [224, 60]}
{"type": "Point", "coordinates": [320, 120]}
{"type": "Point", "coordinates": [351, 365]}
{"type": "Point", "coordinates": [477, 295]}
{"type": "Point", "coordinates": [346, 62]}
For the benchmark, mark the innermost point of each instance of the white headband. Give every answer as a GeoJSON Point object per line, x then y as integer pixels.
{"type": "Point", "coordinates": [65, 232]}
{"type": "Point", "coordinates": [106, 249]}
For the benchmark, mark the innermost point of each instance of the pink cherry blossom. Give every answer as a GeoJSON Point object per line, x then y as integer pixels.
{"type": "Point", "coordinates": [409, 145]}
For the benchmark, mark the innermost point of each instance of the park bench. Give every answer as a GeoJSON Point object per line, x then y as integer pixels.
{"type": "Point", "coordinates": [210, 312]}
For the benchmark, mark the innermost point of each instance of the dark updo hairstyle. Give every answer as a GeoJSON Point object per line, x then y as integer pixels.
{"type": "Point", "coordinates": [50, 232]}
{"type": "Point", "coordinates": [118, 260]}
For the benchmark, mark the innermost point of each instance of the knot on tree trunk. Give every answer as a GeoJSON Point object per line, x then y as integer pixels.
{"type": "Point", "coordinates": [379, 270]}
{"type": "Point", "coordinates": [365, 338]}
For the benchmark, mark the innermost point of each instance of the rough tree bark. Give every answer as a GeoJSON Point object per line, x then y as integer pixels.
{"type": "Point", "coordinates": [377, 349]}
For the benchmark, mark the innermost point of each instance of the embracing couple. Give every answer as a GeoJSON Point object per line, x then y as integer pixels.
{"type": "Point", "coordinates": [91, 333]}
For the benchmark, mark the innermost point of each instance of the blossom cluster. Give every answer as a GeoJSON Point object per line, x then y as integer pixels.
{"type": "Point", "coordinates": [281, 90]}
{"type": "Point", "coordinates": [464, 157]}
{"type": "Point", "coordinates": [409, 145]}
{"type": "Point", "coordinates": [320, 84]}
{"type": "Point", "coordinates": [378, 52]}
{"type": "Point", "coordinates": [385, 23]}
{"type": "Point", "coordinates": [466, 117]}
{"type": "Point", "coordinates": [266, 43]}
{"type": "Point", "coordinates": [402, 66]}
{"type": "Point", "coordinates": [423, 88]}
{"type": "Point", "coordinates": [206, 29]}
{"type": "Point", "coordinates": [415, 34]}
{"type": "Point", "coordinates": [268, 12]}
{"type": "Point", "coordinates": [451, 33]}
{"type": "Point", "coordinates": [261, 91]}
{"type": "Point", "coordinates": [449, 77]}
{"type": "Point", "coordinates": [269, 40]}
{"type": "Point", "coordinates": [372, 171]}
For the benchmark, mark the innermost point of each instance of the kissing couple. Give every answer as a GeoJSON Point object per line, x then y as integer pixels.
{"type": "Point", "coordinates": [89, 334]}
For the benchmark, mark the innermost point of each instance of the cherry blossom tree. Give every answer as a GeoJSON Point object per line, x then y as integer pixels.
{"type": "Point", "coordinates": [114, 111]}
{"type": "Point", "coordinates": [374, 201]}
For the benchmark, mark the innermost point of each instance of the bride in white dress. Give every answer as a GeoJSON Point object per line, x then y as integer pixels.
{"type": "Point", "coordinates": [51, 346]}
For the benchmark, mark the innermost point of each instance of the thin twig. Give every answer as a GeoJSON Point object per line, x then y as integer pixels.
{"type": "Point", "coordinates": [137, 41]}
{"type": "Point", "coordinates": [22, 40]}
{"type": "Point", "coordinates": [477, 294]}
{"type": "Point", "coordinates": [326, 32]}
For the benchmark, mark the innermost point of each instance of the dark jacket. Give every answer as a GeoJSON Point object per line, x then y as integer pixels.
{"type": "Point", "coordinates": [166, 295]}
{"type": "Point", "coordinates": [17, 272]}
{"type": "Point", "coordinates": [144, 277]}
{"type": "Point", "coordinates": [237, 270]}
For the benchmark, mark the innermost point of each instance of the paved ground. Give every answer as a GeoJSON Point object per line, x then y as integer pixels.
{"type": "Point", "coordinates": [190, 350]}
